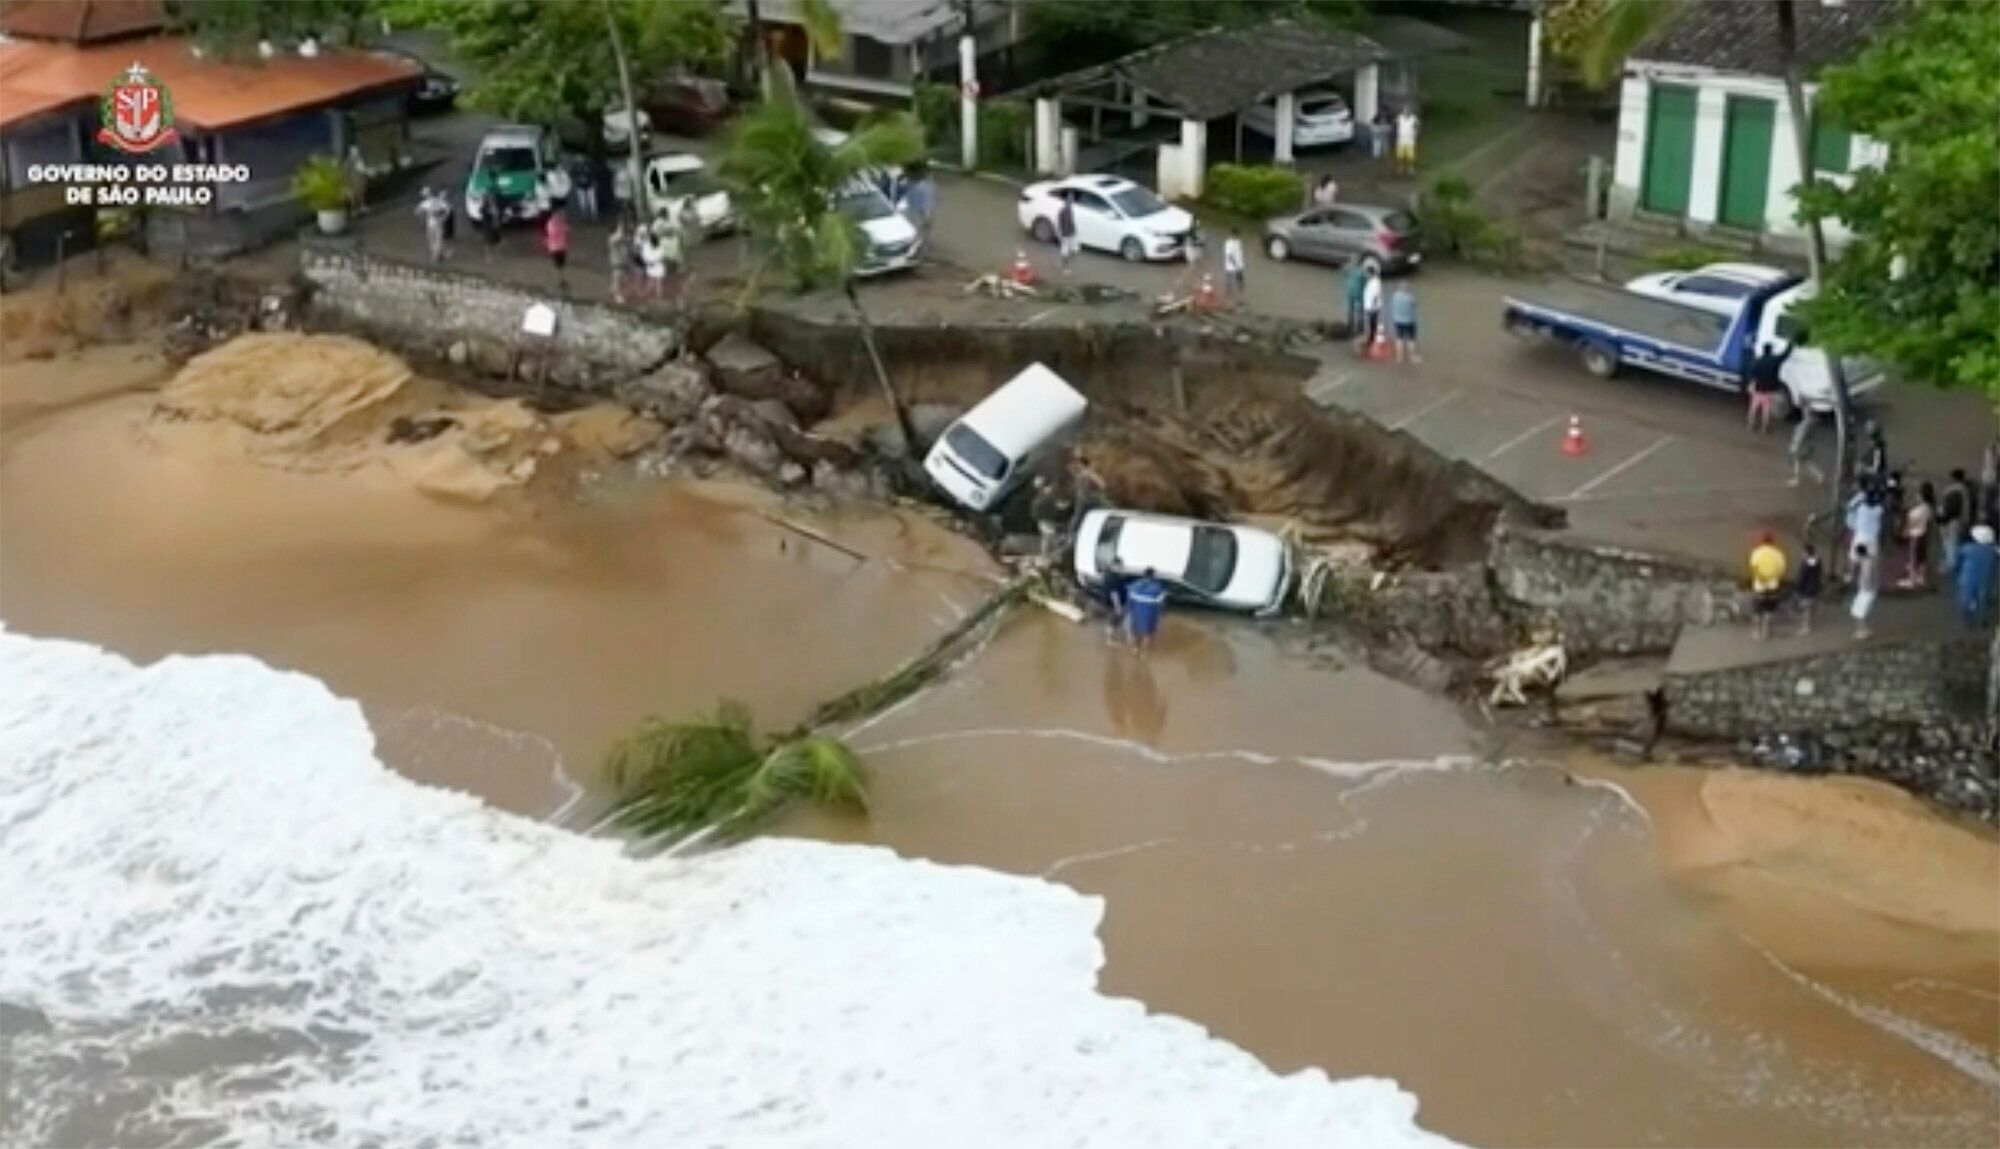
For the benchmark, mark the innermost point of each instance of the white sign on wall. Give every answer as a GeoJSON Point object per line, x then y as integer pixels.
{"type": "Point", "coordinates": [540, 320]}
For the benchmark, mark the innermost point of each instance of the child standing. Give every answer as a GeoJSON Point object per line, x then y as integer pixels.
{"type": "Point", "coordinates": [1867, 579]}
{"type": "Point", "coordinates": [1232, 263]}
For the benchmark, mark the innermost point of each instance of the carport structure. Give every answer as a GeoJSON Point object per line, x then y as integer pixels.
{"type": "Point", "coordinates": [1207, 76]}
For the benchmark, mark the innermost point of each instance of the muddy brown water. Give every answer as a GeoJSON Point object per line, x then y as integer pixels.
{"type": "Point", "coordinates": [1307, 859]}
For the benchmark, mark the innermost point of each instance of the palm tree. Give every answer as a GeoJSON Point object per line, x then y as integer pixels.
{"type": "Point", "coordinates": [714, 774]}
{"type": "Point", "coordinates": [1626, 24]}
{"type": "Point", "coordinates": [788, 184]}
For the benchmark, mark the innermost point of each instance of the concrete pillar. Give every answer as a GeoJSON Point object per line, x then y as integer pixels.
{"type": "Point", "coordinates": [1069, 150]}
{"type": "Point", "coordinates": [1194, 156]}
{"type": "Point", "coordinates": [1138, 108]}
{"type": "Point", "coordinates": [1048, 135]}
{"type": "Point", "coordinates": [1288, 111]}
{"type": "Point", "coordinates": [1367, 93]}
{"type": "Point", "coordinates": [1629, 163]}
{"type": "Point", "coordinates": [1535, 60]}
{"type": "Point", "coordinates": [1781, 208]}
{"type": "Point", "coordinates": [968, 100]}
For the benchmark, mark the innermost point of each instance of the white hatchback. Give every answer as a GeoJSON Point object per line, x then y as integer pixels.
{"type": "Point", "coordinates": [1216, 564]}
{"type": "Point", "coordinates": [1112, 214]}
{"type": "Point", "coordinates": [1717, 287]}
{"type": "Point", "coordinates": [1319, 119]}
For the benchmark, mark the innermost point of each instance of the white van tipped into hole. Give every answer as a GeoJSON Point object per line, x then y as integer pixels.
{"type": "Point", "coordinates": [990, 450]}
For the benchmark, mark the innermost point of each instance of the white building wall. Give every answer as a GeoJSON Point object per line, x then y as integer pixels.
{"type": "Point", "coordinates": [1705, 183]}
{"type": "Point", "coordinates": [1711, 115]}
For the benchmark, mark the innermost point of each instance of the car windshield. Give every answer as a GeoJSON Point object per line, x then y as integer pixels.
{"type": "Point", "coordinates": [1211, 560]}
{"type": "Point", "coordinates": [1326, 106]}
{"type": "Point", "coordinates": [511, 160]}
{"type": "Point", "coordinates": [864, 204]}
{"type": "Point", "coordinates": [1137, 202]}
{"type": "Point", "coordinates": [983, 457]}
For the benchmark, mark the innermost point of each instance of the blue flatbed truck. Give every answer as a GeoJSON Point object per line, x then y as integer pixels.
{"type": "Point", "coordinates": [1612, 328]}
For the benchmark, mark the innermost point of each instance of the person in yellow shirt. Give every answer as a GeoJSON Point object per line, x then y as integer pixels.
{"type": "Point", "coordinates": [1767, 583]}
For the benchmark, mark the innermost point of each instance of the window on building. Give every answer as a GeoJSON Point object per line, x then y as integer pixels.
{"type": "Point", "coordinates": [870, 57]}
{"type": "Point", "coordinates": [50, 143]}
{"type": "Point", "coordinates": [1832, 147]}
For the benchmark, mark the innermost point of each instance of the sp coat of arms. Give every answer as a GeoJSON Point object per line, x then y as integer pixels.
{"type": "Point", "coordinates": [137, 113]}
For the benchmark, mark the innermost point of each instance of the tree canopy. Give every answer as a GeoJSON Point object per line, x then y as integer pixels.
{"type": "Point", "coordinates": [542, 60]}
{"type": "Point", "coordinates": [233, 27]}
{"type": "Point", "coordinates": [1931, 92]}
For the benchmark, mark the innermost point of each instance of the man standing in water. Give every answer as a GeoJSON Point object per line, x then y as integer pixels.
{"type": "Point", "coordinates": [1145, 602]}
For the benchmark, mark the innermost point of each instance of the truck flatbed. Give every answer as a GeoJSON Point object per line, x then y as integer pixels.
{"type": "Point", "coordinates": [1661, 320]}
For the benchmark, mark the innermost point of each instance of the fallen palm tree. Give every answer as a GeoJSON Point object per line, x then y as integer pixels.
{"type": "Point", "coordinates": [712, 775]}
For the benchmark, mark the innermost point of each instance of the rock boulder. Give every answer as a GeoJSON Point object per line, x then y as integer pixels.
{"type": "Point", "coordinates": [746, 369]}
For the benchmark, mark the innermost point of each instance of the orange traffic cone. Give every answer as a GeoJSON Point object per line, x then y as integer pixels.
{"type": "Point", "coordinates": [1573, 441]}
{"type": "Point", "coordinates": [1204, 296]}
{"type": "Point", "coordinates": [1023, 272]}
{"type": "Point", "coordinates": [1379, 350]}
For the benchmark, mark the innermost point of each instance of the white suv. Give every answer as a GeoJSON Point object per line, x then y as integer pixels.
{"type": "Point", "coordinates": [1112, 214]}
{"type": "Point", "coordinates": [1319, 119]}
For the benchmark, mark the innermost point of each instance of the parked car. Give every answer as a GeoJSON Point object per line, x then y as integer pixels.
{"type": "Point", "coordinates": [522, 165]}
{"type": "Point", "coordinates": [1112, 214]}
{"type": "Point", "coordinates": [989, 450]}
{"type": "Point", "coordinates": [436, 91]}
{"type": "Point", "coordinates": [1385, 238]}
{"type": "Point", "coordinates": [1319, 119]}
{"type": "Point", "coordinates": [674, 179]}
{"type": "Point", "coordinates": [893, 241]}
{"type": "Point", "coordinates": [1717, 287]}
{"type": "Point", "coordinates": [1215, 564]}
{"type": "Point", "coordinates": [687, 105]}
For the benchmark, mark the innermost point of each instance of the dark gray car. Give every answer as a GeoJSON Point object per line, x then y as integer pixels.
{"type": "Point", "coordinates": [1386, 237]}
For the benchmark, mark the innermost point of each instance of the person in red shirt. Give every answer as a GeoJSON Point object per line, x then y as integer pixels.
{"type": "Point", "coordinates": [555, 241]}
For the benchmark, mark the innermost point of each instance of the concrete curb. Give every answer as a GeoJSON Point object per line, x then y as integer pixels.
{"type": "Point", "coordinates": [977, 174]}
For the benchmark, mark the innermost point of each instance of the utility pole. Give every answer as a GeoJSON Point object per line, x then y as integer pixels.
{"type": "Point", "coordinates": [968, 87]}
{"type": "Point", "coordinates": [632, 169]}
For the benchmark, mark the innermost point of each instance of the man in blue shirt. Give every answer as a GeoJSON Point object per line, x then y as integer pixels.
{"type": "Point", "coordinates": [1973, 572]}
{"type": "Point", "coordinates": [1403, 320]}
{"type": "Point", "coordinates": [1145, 602]}
{"type": "Point", "coordinates": [920, 199]}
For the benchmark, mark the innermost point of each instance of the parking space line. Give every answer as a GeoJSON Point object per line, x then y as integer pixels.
{"type": "Point", "coordinates": [1684, 492]}
{"type": "Point", "coordinates": [1319, 392]}
{"type": "Point", "coordinates": [1618, 470]}
{"type": "Point", "coordinates": [1524, 436]}
{"type": "Point", "coordinates": [1424, 410]}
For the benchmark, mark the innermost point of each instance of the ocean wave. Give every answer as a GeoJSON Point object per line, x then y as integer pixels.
{"type": "Point", "coordinates": [226, 922]}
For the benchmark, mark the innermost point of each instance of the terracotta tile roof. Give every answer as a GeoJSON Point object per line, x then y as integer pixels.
{"type": "Point", "coordinates": [80, 21]}
{"type": "Point", "coordinates": [206, 93]}
{"type": "Point", "coordinates": [1741, 36]}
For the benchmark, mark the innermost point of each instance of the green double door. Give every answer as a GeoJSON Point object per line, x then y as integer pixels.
{"type": "Point", "coordinates": [1669, 168]}
{"type": "Point", "coordinates": [1748, 125]}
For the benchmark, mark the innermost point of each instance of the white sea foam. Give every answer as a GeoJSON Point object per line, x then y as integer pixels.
{"type": "Point", "coordinates": [221, 917]}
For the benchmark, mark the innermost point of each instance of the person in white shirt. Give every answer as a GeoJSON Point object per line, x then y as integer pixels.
{"type": "Point", "coordinates": [1371, 309]}
{"type": "Point", "coordinates": [1232, 262]}
{"type": "Point", "coordinates": [1406, 140]}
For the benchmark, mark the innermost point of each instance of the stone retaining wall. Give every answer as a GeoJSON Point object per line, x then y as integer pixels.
{"type": "Point", "coordinates": [426, 313]}
{"type": "Point", "coordinates": [1931, 684]}
{"type": "Point", "coordinates": [1608, 600]}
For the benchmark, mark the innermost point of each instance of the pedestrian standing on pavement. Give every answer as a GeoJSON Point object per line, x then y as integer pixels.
{"type": "Point", "coordinates": [1403, 322]}
{"type": "Point", "coordinates": [1954, 518]}
{"type": "Point", "coordinates": [555, 241]}
{"type": "Point", "coordinates": [1866, 580]}
{"type": "Point", "coordinates": [618, 250]}
{"type": "Point", "coordinates": [1145, 602]}
{"type": "Point", "coordinates": [1873, 459]}
{"type": "Point", "coordinates": [1767, 584]}
{"type": "Point", "coordinates": [654, 260]}
{"type": "Point", "coordinates": [1919, 524]}
{"type": "Point", "coordinates": [1973, 576]}
{"type": "Point", "coordinates": [1378, 135]}
{"type": "Point", "coordinates": [1406, 140]}
{"type": "Point", "coordinates": [1800, 451]}
{"type": "Point", "coordinates": [357, 181]}
{"type": "Point", "coordinates": [1356, 284]}
{"type": "Point", "coordinates": [585, 182]}
{"type": "Point", "coordinates": [1371, 308]}
{"type": "Point", "coordinates": [489, 221]}
{"type": "Point", "coordinates": [920, 200]}
{"type": "Point", "coordinates": [673, 257]}
{"type": "Point", "coordinates": [1864, 525]}
{"type": "Point", "coordinates": [1066, 233]}
{"type": "Point", "coordinates": [1764, 386]}
{"type": "Point", "coordinates": [1232, 263]}
{"type": "Point", "coordinates": [1811, 583]}
{"type": "Point", "coordinates": [433, 209]}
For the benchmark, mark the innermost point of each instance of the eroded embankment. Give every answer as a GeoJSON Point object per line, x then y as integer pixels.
{"type": "Point", "coordinates": [1185, 423]}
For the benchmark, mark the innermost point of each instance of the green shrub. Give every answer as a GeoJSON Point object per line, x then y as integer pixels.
{"type": "Point", "coordinates": [322, 183]}
{"type": "Point", "coordinates": [937, 111]}
{"type": "Point", "coordinates": [1255, 192]}
{"type": "Point", "coordinates": [1687, 257]}
{"type": "Point", "coordinates": [1003, 133]}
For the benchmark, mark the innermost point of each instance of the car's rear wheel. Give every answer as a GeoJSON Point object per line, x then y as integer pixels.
{"type": "Point", "coordinates": [1132, 250]}
{"type": "Point", "coordinates": [1600, 359]}
{"type": "Point", "coordinates": [1043, 231]}
{"type": "Point", "coordinates": [1279, 249]}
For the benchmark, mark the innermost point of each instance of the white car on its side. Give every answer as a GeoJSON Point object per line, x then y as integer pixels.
{"type": "Point", "coordinates": [1319, 119]}
{"type": "Point", "coordinates": [1215, 564]}
{"type": "Point", "coordinates": [1112, 214]}
{"type": "Point", "coordinates": [1717, 287]}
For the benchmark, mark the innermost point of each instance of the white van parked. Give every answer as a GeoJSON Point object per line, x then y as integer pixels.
{"type": "Point", "coordinates": [987, 453]}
